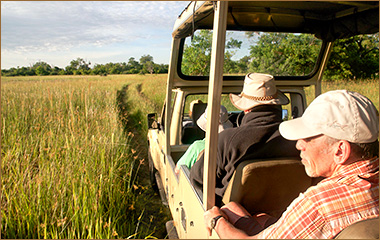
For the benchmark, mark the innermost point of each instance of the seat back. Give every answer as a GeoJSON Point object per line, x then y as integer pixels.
{"type": "Point", "coordinates": [192, 133]}
{"type": "Point", "coordinates": [366, 229]}
{"type": "Point", "coordinates": [267, 185]}
{"type": "Point", "coordinates": [198, 110]}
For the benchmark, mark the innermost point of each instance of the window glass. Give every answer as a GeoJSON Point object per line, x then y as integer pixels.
{"type": "Point", "coordinates": [280, 54]}
{"type": "Point", "coordinates": [233, 111]}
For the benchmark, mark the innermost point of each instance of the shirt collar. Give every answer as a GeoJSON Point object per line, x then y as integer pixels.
{"type": "Point", "coordinates": [359, 168]}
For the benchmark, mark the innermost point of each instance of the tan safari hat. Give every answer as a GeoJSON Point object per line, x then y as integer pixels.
{"type": "Point", "coordinates": [338, 114]}
{"type": "Point", "coordinates": [224, 123]}
{"type": "Point", "coordinates": [258, 89]}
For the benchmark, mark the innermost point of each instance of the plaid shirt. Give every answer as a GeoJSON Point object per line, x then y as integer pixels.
{"type": "Point", "coordinates": [351, 195]}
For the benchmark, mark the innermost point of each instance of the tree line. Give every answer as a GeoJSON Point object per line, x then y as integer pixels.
{"type": "Point", "coordinates": [80, 66]}
{"type": "Point", "coordinates": [274, 53]}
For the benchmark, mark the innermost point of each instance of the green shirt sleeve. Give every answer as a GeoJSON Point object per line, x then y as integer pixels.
{"type": "Point", "coordinates": [191, 154]}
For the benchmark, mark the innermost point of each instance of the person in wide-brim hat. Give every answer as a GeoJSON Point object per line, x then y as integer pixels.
{"type": "Point", "coordinates": [258, 89]}
{"type": "Point", "coordinates": [255, 137]}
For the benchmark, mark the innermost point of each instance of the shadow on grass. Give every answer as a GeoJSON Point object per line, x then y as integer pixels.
{"type": "Point", "coordinates": [131, 121]}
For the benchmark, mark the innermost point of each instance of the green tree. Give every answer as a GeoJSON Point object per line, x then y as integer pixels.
{"type": "Point", "coordinates": [78, 67]}
{"type": "Point", "coordinates": [145, 58]}
{"type": "Point", "coordinates": [133, 65]}
{"type": "Point", "coordinates": [284, 54]}
{"type": "Point", "coordinates": [243, 64]}
{"type": "Point", "coordinates": [114, 68]}
{"type": "Point", "coordinates": [197, 55]}
{"type": "Point", "coordinates": [147, 63]}
{"type": "Point", "coordinates": [56, 71]}
{"type": "Point", "coordinates": [42, 68]}
{"type": "Point", "coordinates": [162, 68]}
{"type": "Point", "coordinates": [354, 58]}
{"type": "Point", "coordinates": [99, 69]}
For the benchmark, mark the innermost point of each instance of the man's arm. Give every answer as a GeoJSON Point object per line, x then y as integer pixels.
{"type": "Point", "coordinates": [196, 172]}
{"type": "Point", "coordinates": [223, 227]}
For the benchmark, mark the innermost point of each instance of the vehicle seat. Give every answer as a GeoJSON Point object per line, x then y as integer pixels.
{"type": "Point", "coordinates": [366, 229]}
{"type": "Point", "coordinates": [267, 185]}
{"type": "Point", "coordinates": [192, 133]}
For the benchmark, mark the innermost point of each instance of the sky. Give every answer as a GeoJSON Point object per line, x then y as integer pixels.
{"type": "Point", "coordinates": [100, 32]}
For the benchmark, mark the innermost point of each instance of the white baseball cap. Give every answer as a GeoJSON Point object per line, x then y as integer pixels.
{"type": "Point", "coordinates": [224, 123]}
{"type": "Point", "coordinates": [339, 114]}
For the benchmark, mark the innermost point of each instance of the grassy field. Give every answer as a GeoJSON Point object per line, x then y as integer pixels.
{"type": "Point", "coordinates": [71, 163]}
{"type": "Point", "coordinates": [73, 152]}
{"type": "Point", "coordinates": [368, 88]}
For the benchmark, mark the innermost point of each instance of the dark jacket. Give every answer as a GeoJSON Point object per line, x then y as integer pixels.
{"type": "Point", "coordinates": [257, 137]}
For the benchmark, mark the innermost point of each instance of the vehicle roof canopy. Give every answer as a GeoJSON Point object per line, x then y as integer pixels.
{"type": "Point", "coordinates": [328, 20]}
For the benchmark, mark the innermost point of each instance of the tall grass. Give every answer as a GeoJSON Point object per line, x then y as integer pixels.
{"type": "Point", "coordinates": [368, 88]}
{"type": "Point", "coordinates": [69, 166]}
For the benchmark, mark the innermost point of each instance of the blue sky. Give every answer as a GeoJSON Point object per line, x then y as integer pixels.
{"type": "Point", "coordinates": [100, 32]}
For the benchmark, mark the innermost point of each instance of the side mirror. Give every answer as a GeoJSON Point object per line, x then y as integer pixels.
{"type": "Point", "coordinates": [152, 121]}
{"type": "Point", "coordinates": [285, 114]}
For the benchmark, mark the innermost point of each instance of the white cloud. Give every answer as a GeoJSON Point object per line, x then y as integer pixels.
{"type": "Point", "coordinates": [41, 27]}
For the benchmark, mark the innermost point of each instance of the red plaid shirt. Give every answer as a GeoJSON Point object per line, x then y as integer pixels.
{"type": "Point", "coordinates": [351, 195]}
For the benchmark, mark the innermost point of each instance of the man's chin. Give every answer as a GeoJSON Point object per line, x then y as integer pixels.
{"type": "Point", "coordinates": [310, 172]}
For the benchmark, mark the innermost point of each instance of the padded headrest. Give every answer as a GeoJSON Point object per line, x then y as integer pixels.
{"type": "Point", "coordinates": [198, 110]}
{"type": "Point", "coordinates": [267, 185]}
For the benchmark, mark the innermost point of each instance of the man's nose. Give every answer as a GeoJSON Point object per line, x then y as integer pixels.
{"type": "Point", "coordinates": [300, 145]}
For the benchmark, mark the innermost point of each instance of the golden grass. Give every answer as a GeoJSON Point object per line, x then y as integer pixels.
{"type": "Point", "coordinates": [69, 166]}
{"type": "Point", "coordinates": [368, 88]}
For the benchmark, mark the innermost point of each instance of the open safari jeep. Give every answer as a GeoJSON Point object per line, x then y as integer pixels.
{"type": "Point", "coordinates": [260, 186]}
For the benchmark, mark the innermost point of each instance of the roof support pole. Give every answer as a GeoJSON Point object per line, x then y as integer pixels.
{"type": "Point", "coordinates": [214, 99]}
{"type": "Point", "coordinates": [169, 87]}
{"type": "Point", "coordinates": [325, 58]}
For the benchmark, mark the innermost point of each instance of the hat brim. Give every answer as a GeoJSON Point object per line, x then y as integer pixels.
{"type": "Point", "coordinates": [244, 103]}
{"type": "Point", "coordinates": [296, 129]}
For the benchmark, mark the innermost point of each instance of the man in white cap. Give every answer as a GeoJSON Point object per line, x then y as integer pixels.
{"type": "Point", "coordinates": [190, 156]}
{"type": "Point", "coordinates": [338, 139]}
{"type": "Point", "coordinates": [256, 137]}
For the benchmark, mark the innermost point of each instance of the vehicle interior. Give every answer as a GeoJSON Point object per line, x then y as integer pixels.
{"type": "Point", "coordinates": [252, 184]}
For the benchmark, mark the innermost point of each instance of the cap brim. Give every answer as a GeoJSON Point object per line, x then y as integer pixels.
{"type": "Point", "coordinates": [243, 103]}
{"type": "Point", "coordinates": [202, 122]}
{"type": "Point", "coordinates": [296, 129]}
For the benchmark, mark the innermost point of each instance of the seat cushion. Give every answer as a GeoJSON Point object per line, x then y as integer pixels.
{"type": "Point", "coordinates": [267, 185]}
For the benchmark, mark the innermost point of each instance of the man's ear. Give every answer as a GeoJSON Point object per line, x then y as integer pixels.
{"type": "Point", "coordinates": [342, 152]}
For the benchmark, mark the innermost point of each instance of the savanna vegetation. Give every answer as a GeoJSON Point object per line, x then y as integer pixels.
{"type": "Point", "coordinates": [80, 66]}
{"type": "Point", "coordinates": [74, 159]}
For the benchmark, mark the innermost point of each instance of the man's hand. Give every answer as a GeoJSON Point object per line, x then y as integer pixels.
{"type": "Point", "coordinates": [177, 168]}
{"type": "Point", "coordinates": [210, 214]}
